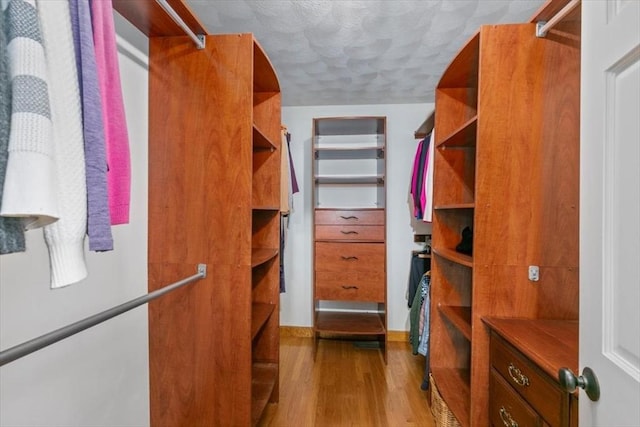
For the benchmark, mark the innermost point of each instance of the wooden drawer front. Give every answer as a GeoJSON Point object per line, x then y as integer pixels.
{"type": "Point", "coordinates": [350, 286]}
{"type": "Point", "coordinates": [355, 217]}
{"type": "Point", "coordinates": [543, 394]}
{"type": "Point", "coordinates": [371, 233]}
{"type": "Point", "coordinates": [506, 407]}
{"type": "Point", "coordinates": [339, 257]}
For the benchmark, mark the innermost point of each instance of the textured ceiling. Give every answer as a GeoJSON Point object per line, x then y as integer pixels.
{"type": "Point", "coordinates": [341, 52]}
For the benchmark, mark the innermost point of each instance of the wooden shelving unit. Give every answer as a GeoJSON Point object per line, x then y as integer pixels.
{"type": "Point", "coordinates": [349, 250]}
{"type": "Point", "coordinates": [214, 195]}
{"type": "Point", "coordinates": [499, 170]}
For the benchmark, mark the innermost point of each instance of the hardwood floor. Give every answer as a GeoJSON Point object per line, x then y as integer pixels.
{"type": "Point", "coordinates": [348, 385]}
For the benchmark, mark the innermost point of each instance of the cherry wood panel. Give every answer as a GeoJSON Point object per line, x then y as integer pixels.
{"type": "Point", "coordinates": [350, 217]}
{"type": "Point", "coordinates": [343, 257]}
{"type": "Point", "coordinates": [460, 317]}
{"type": "Point", "coordinates": [369, 233]}
{"type": "Point", "coordinates": [549, 343]}
{"type": "Point", "coordinates": [205, 179]}
{"type": "Point", "coordinates": [350, 286]}
{"type": "Point", "coordinates": [348, 323]}
{"type": "Point", "coordinates": [506, 408]}
{"type": "Point", "coordinates": [542, 393]}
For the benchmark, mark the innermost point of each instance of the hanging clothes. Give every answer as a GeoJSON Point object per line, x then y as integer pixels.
{"type": "Point", "coordinates": [418, 177]}
{"type": "Point", "coordinates": [98, 215]}
{"type": "Point", "coordinates": [294, 180]}
{"type": "Point", "coordinates": [30, 183]}
{"type": "Point", "coordinates": [12, 237]}
{"type": "Point", "coordinates": [65, 237]}
{"type": "Point", "coordinates": [427, 194]}
{"type": "Point", "coordinates": [115, 125]}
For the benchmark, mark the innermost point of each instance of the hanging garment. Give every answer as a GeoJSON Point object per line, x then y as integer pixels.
{"type": "Point", "coordinates": [30, 187]}
{"type": "Point", "coordinates": [65, 238]}
{"type": "Point", "coordinates": [285, 180]}
{"type": "Point", "coordinates": [428, 187]}
{"type": "Point", "coordinates": [415, 333]}
{"type": "Point", "coordinates": [418, 267]}
{"type": "Point", "coordinates": [294, 180]}
{"type": "Point", "coordinates": [415, 193]}
{"type": "Point", "coordinates": [11, 232]}
{"type": "Point", "coordinates": [115, 125]}
{"type": "Point", "coordinates": [98, 216]}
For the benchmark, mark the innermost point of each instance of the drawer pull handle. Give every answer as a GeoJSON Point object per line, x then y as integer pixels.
{"type": "Point", "coordinates": [517, 376]}
{"type": "Point", "coordinates": [348, 217]}
{"type": "Point", "coordinates": [349, 258]}
{"type": "Point", "coordinates": [507, 419]}
{"type": "Point", "coordinates": [348, 232]}
{"type": "Point", "coordinates": [349, 287]}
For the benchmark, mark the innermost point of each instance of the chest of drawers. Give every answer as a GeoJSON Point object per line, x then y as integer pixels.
{"type": "Point", "coordinates": [525, 356]}
{"type": "Point", "coordinates": [349, 267]}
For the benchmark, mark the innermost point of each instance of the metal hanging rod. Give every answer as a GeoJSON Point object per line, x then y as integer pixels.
{"type": "Point", "coordinates": [542, 27]}
{"type": "Point", "coordinates": [53, 337]}
{"type": "Point", "coordinates": [198, 39]}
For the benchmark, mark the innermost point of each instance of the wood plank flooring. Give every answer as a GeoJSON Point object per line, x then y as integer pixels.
{"type": "Point", "coordinates": [348, 385]}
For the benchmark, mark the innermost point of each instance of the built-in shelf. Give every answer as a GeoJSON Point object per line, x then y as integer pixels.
{"type": "Point", "coordinates": [260, 313]}
{"type": "Point", "coordinates": [453, 385]}
{"type": "Point", "coordinates": [261, 255]}
{"type": "Point", "coordinates": [460, 317]}
{"type": "Point", "coordinates": [263, 379]}
{"type": "Point", "coordinates": [463, 137]}
{"type": "Point", "coordinates": [349, 179]}
{"type": "Point", "coordinates": [266, 208]}
{"type": "Point", "coordinates": [452, 206]}
{"type": "Point", "coordinates": [349, 323]}
{"type": "Point", "coordinates": [454, 256]}
{"type": "Point", "coordinates": [261, 141]}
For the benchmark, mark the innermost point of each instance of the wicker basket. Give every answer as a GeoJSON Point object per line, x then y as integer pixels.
{"type": "Point", "coordinates": [441, 413]}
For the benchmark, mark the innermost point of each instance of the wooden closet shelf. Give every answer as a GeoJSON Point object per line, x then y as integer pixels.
{"type": "Point", "coordinates": [454, 256]}
{"type": "Point", "coordinates": [460, 317]}
{"type": "Point", "coordinates": [260, 314]}
{"type": "Point", "coordinates": [261, 141]}
{"type": "Point", "coordinates": [349, 323]}
{"type": "Point", "coordinates": [349, 179]}
{"type": "Point", "coordinates": [267, 209]}
{"type": "Point", "coordinates": [263, 379]}
{"type": "Point", "coordinates": [262, 255]}
{"type": "Point", "coordinates": [463, 70]}
{"type": "Point", "coordinates": [462, 137]}
{"type": "Point", "coordinates": [453, 385]}
{"type": "Point", "coordinates": [451, 206]}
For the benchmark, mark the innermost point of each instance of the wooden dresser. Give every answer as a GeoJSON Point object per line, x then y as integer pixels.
{"type": "Point", "coordinates": [525, 356]}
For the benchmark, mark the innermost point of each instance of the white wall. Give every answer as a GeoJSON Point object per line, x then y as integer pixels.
{"type": "Point", "coordinates": [99, 377]}
{"type": "Point", "coordinates": [402, 121]}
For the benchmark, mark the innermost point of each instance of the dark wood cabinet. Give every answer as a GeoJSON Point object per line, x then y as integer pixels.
{"type": "Point", "coordinates": [525, 357]}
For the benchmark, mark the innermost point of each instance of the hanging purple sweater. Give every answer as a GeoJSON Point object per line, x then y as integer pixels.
{"type": "Point", "coordinates": [98, 217]}
{"type": "Point", "coordinates": [115, 125]}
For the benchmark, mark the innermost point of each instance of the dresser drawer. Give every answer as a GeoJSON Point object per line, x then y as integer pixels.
{"type": "Point", "coordinates": [542, 393]}
{"type": "Point", "coordinates": [339, 257]}
{"type": "Point", "coordinates": [506, 407]}
{"type": "Point", "coordinates": [350, 217]}
{"type": "Point", "coordinates": [350, 286]}
{"type": "Point", "coordinates": [370, 233]}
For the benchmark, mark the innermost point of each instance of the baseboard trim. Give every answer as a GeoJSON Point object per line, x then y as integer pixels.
{"type": "Point", "coordinates": [307, 332]}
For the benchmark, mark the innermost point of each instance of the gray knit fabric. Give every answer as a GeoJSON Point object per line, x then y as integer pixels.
{"type": "Point", "coordinates": [11, 232]}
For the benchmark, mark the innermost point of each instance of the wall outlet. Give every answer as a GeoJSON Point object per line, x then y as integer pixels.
{"type": "Point", "coordinates": [534, 273]}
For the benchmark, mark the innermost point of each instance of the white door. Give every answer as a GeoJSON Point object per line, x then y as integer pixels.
{"type": "Point", "coordinates": [610, 211]}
